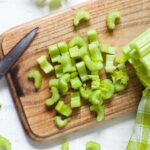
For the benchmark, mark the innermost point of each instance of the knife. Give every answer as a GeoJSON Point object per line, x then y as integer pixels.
{"type": "Point", "coordinates": [10, 59]}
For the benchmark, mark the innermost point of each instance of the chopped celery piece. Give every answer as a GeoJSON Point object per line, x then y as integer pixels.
{"type": "Point", "coordinates": [121, 59]}
{"type": "Point", "coordinates": [81, 15]}
{"type": "Point", "coordinates": [67, 63]}
{"type": "Point", "coordinates": [65, 146]}
{"type": "Point", "coordinates": [83, 51]}
{"type": "Point", "coordinates": [94, 77]}
{"type": "Point", "coordinates": [74, 52]}
{"type": "Point", "coordinates": [73, 75]}
{"type": "Point", "coordinates": [108, 49]}
{"type": "Point", "coordinates": [63, 83]}
{"type": "Point", "coordinates": [82, 71]}
{"type": "Point", "coordinates": [107, 89]}
{"type": "Point", "coordinates": [75, 100]}
{"type": "Point", "coordinates": [54, 53]}
{"type": "Point", "coordinates": [58, 70]}
{"type": "Point", "coordinates": [63, 109]}
{"type": "Point", "coordinates": [54, 3]}
{"type": "Point", "coordinates": [95, 84]}
{"type": "Point", "coordinates": [45, 65]}
{"type": "Point", "coordinates": [55, 97]}
{"type": "Point", "coordinates": [122, 67]}
{"type": "Point", "coordinates": [61, 123]}
{"type": "Point", "coordinates": [112, 19]}
{"type": "Point", "coordinates": [5, 143]}
{"type": "Point", "coordinates": [91, 65]}
{"type": "Point", "coordinates": [95, 52]}
{"type": "Point", "coordinates": [95, 73]}
{"type": "Point", "coordinates": [110, 63]}
{"type": "Point", "coordinates": [126, 50]}
{"type": "Point", "coordinates": [63, 47]}
{"type": "Point", "coordinates": [95, 98]}
{"type": "Point", "coordinates": [75, 83]}
{"type": "Point", "coordinates": [36, 75]}
{"type": "Point", "coordinates": [53, 83]}
{"type": "Point", "coordinates": [91, 145]}
{"type": "Point", "coordinates": [85, 93]}
{"type": "Point", "coordinates": [146, 62]}
{"type": "Point", "coordinates": [99, 109]}
{"type": "Point", "coordinates": [92, 35]}
{"type": "Point", "coordinates": [120, 79]}
{"type": "Point", "coordinates": [78, 41]}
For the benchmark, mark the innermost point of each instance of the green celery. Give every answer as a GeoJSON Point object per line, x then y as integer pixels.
{"type": "Point", "coordinates": [110, 63]}
{"type": "Point", "coordinates": [108, 49]}
{"type": "Point", "coordinates": [63, 109]}
{"type": "Point", "coordinates": [95, 52]}
{"type": "Point", "coordinates": [95, 98]}
{"type": "Point", "coordinates": [82, 71]}
{"type": "Point", "coordinates": [55, 97]}
{"type": "Point", "coordinates": [63, 47]}
{"type": "Point", "coordinates": [91, 145]}
{"type": "Point", "coordinates": [65, 146]}
{"type": "Point", "coordinates": [99, 109]}
{"type": "Point", "coordinates": [95, 84]}
{"type": "Point", "coordinates": [78, 41]}
{"type": "Point", "coordinates": [45, 65]}
{"type": "Point", "coordinates": [75, 83]}
{"type": "Point", "coordinates": [53, 83]}
{"type": "Point", "coordinates": [85, 93]}
{"type": "Point", "coordinates": [61, 123]}
{"type": "Point", "coordinates": [75, 100]}
{"type": "Point", "coordinates": [5, 143]}
{"type": "Point", "coordinates": [112, 19]}
{"type": "Point", "coordinates": [58, 70]}
{"type": "Point", "coordinates": [74, 52]}
{"type": "Point", "coordinates": [54, 53]}
{"type": "Point", "coordinates": [92, 35]}
{"type": "Point", "coordinates": [36, 75]}
{"type": "Point", "coordinates": [81, 15]}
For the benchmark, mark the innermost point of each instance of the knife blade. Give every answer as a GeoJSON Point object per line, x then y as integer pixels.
{"type": "Point", "coordinates": [10, 59]}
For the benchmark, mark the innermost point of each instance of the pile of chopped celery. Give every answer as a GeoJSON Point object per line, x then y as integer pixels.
{"type": "Point", "coordinates": [77, 66]}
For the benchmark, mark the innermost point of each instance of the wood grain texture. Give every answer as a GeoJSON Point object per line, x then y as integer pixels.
{"type": "Point", "coordinates": [37, 120]}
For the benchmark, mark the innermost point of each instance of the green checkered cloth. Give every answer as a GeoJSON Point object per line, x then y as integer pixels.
{"type": "Point", "coordinates": [140, 139]}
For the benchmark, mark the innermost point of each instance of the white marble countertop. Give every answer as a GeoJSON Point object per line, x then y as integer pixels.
{"type": "Point", "coordinates": [112, 135]}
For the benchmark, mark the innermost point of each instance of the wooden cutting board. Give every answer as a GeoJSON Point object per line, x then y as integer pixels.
{"type": "Point", "coordinates": [37, 120]}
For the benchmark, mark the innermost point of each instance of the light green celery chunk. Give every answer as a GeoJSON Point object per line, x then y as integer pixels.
{"type": "Point", "coordinates": [54, 98]}
{"type": "Point", "coordinates": [95, 52]}
{"type": "Point", "coordinates": [54, 3]}
{"type": "Point", "coordinates": [146, 62]}
{"type": "Point", "coordinates": [112, 19]}
{"type": "Point", "coordinates": [53, 83]}
{"type": "Point", "coordinates": [36, 76]}
{"type": "Point", "coordinates": [110, 63]}
{"type": "Point", "coordinates": [95, 84]}
{"type": "Point", "coordinates": [79, 41]}
{"type": "Point", "coordinates": [75, 83]}
{"type": "Point", "coordinates": [91, 65]}
{"type": "Point", "coordinates": [92, 35]}
{"type": "Point", "coordinates": [63, 83]}
{"type": "Point", "coordinates": [63, 47]}
{"type": "Point", "coordinates": [82, 71]}
{"type": "Point", "coordinates": [63, 109]}
{"type": "Point", "coordinates": [65, 146]}
{"type": "Point", "coordinates": [108, 49]}
{"type": "Point", "coordinates": [74, 52]}
{"type": "Point", "coordinates": [120, 79]}
{"type": "Point", "coordinates": [141, 40]}
{"type": "Point", "coordinates": [67, 63]}
{"type": "Point", "coordinates": [91, 145]}
{"type": "Point", "coordinates": [45, 65]}
{"type": "Point", "coordinates": [54, 53]}
{"type": "Point", "coordinates": [61, 123]}
{"type": "Point", "coordinates": [121, 59]}
{"type": "Point", "coordinates": [126, 50]}
{"type": "Point", "coordinates": [107, 89]}
{"type": "Point", "coordinates": [99, 109]}
{"type": "Point", "coordinates": [83, 51]}
{"type": "Point", "coordinates": [122, 67]}
{"type": "Point", "coordinates": [81, 15]}
{"type": "Point", "coordinates": [5, 143]}
{"type": "Point", "coordinates": [58, 70]}
{"type": "Point", "coordinates": [95, 73]}
{"type": "Point", "coordinates": [75, 100]}
{"type": "Point", "coordinates": [73, 75]}
{"type": "Point", "coordinates": [95, 98]}
{"type": "Point", "coordinates": [94, 77]}
{"type": "Point", "coordinates": [85, 93]}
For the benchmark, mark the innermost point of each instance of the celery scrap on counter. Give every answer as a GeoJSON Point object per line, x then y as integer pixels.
{"type": "Point", "coordinates": [5, 143]}
{"type": "Point", "coordinates": [75, 100]}
{"type": "Point", "coordinates": [92, 145]}
{"type": "Point", "coordinates": [65, 146]}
